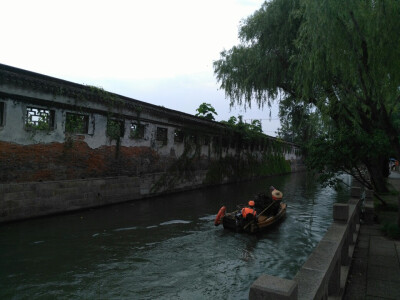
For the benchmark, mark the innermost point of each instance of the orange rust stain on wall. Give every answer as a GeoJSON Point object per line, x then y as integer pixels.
{"type": "Point", "coordinates": [59, 161]}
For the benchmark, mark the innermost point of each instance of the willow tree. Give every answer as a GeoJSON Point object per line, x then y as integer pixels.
{"type": "Point", "coordinates": [348, 66]}
{"type": "Point", "coordinates": [340, 57]}
{"type": "Point", "coordinates": [300, 122]}
{"type": "Point", "coordinates": [259, 67]}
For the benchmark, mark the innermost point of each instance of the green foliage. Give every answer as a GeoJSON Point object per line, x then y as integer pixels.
{"type": "Point", "coordinates": [243, 132]}
{"type": "Point", "coordinates": [115, 131]}
{"type": "Point", "coordinates": [206, 111]}
{"type": "Point", "coordinates": [137, 131]}
{"type": "Point", "coordinates": [351, 73]}
{"type": "Point", "coordinates": [42, 124]}
{"type": "Point", "coordinates": [244, 165]}
{"type": "Point", "coordinates": [259, 68]}
{"type": "Point", "coordinates": [75, 123]}
{"type": "Point", "coordinates": [182, 169]}
{"type": "Point", "coordinates": [391, 230]}
{"type": "Point", "coordinates": [256, 126]}
{"type": "Point", "coordinates": [344, 151]}
{"type": "Point", "coordinates": [300, 122]}
{"type": "Point", "coordinates": [340, 60]}
{"type": "Point", "coordinates": [248, 167]}
{"type": "Point", "coordinates": [232, 121]}
{"type": "Point", "coordinates": [111, 99]}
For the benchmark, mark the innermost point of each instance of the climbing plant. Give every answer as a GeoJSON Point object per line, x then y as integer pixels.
{"type": "Point", "coordinates": [184, 166]}
{"type": "Point", "coordinates": [115, 130]}
{"type": "Point", "coordinates": [76, 123]}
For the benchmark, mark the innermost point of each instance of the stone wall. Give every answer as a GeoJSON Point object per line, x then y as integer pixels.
{"type": "Point", "coordinates": [34, 199]}
{"type": "Point", "coordinates": [55, 133]}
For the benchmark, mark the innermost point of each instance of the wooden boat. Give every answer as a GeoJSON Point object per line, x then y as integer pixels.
{"type": "Point", "coordinates": [263, 221]}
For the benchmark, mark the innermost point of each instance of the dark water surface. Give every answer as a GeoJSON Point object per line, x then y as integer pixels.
{"type": "Point", "coordinates": [163, 248]}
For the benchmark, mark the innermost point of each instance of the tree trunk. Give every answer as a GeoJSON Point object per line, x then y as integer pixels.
{"type": "Point", "coordinates": [375, 171]}
{"type": "Point", "coordinates": [385, 168]}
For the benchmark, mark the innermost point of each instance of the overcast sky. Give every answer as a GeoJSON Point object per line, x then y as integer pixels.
{"type": "Point", "coordinates": [157, 51]}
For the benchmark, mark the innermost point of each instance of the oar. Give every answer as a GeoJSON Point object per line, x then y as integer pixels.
{"type": "Point", "coordinates": [259, 214]}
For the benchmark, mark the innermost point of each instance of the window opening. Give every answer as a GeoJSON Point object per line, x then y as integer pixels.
{"type": "Point", "coordinates": [178, 136]}
{"type": "Point", "coordinates": [115, 128]}
{"type": "Point", "coordinates": [162, 134]}
{"type": "Point", "coordinates": [137, 131]}
{"type": "Point", "coordinates": [39, 118]}
{"type": "Point", "coordinates": [75, 123]}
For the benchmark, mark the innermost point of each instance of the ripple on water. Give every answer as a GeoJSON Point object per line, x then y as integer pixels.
{"type": "Point", "coordinates": [151, 226]}
{"type": "Point", "coordinates": [208, 218]}
{"type": "Point", "coordinates": [38, 242]}
{"type": "Point", "coordinates": [191, 259]}
{"type": "Point", "coordinates": [175, 222]}
{"type": "Point", "coordinates": [126, 228]}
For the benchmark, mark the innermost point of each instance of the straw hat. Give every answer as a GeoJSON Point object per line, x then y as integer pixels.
{"type": "Point", "coordinates": [276, 195]}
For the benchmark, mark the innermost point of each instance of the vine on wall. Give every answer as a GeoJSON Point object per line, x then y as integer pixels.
{"type": "Point", "coordinates": [245, 139]}
{"type": "Point", "coordinates": [233, 169]}
{"type": "Point", "coordinates": [255, 156]}
{"type": "Point", "coordinates": [184, 166]}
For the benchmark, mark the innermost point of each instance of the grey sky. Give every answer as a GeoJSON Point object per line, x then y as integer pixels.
{"type": "Point", "coordinates": [155, 51]}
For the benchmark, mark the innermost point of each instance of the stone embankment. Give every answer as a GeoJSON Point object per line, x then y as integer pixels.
{"type": "Point", "coordinates": [325, 273]}
{"type": "Point", "coordinates": [354, 260]}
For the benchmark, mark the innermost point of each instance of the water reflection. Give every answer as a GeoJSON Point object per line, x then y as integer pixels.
{"type": "Point", "coordinates": [164, 247]}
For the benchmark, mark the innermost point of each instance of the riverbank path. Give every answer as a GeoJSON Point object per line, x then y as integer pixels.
{"type": "Point", "coordinates": [375, 270]}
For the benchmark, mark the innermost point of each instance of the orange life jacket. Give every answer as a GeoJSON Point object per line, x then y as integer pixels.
{"type": "Point", "coordinates": [248, 210]}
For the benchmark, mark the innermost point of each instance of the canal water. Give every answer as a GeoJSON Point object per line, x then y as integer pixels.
{"type": "Point", "coordinates": [163, 248]}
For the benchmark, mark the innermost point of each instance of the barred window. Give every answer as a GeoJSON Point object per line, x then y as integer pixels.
{"type": "Point", "coordinates": [76, 123]}
{"type": "Point", "coordinates": [39, 118]}
{"type": "Point", "coordinates": [178, 136]}
{"type": "Point", "coordinates": [137, 131]}
{"type": "Point", "coordinates": [162, 134]}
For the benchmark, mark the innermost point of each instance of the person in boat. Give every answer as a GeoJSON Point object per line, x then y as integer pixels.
{"type": "Point", "coordinates": [261, 201]}
{"type": "Point", "coordinates": [249, 212]}
{"type": "Point", "coordinates": [276, 196]}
